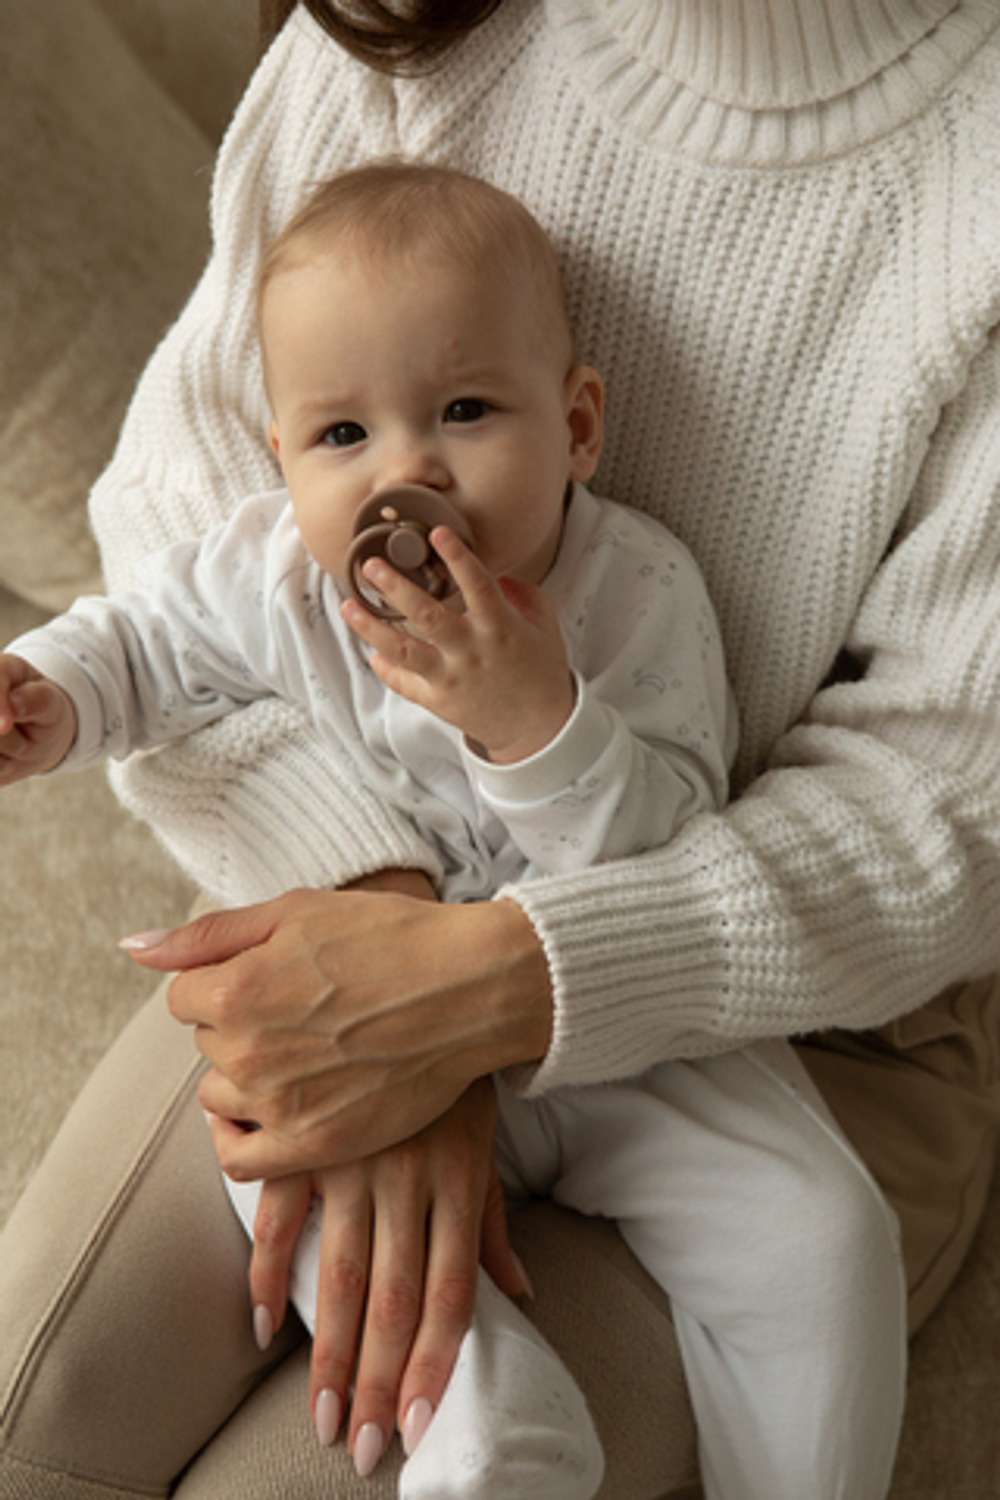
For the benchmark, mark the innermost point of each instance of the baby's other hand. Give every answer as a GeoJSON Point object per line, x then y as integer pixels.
{"type": "Point", "coordinates": [37, 722]}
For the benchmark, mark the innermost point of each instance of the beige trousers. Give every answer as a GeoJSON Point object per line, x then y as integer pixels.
{"type": "Point", "coordinates": [127, 1365]}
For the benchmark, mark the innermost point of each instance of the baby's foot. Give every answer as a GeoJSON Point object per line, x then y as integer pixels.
{"type": "Point", "coordinates": [512, 1423]}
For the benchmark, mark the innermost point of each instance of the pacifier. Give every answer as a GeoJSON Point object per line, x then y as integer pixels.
{"type": "Point", "coordinates": [396, 524]}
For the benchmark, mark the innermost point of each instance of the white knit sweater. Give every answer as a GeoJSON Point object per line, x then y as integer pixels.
{"type": "Point", "coordinates": [780, 226]}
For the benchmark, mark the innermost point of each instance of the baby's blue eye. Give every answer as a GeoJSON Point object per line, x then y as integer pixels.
{"type": "Point", "coordinates": [344, 434]}
{"type": "Point", "coordinates": [467, 409]}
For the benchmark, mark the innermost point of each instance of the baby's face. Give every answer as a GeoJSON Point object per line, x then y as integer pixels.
{"type": "Point", "coordinates": [384, 373]}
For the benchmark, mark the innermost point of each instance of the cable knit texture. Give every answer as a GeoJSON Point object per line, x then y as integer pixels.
{"type": "Point", "coordinates": [780, 227]}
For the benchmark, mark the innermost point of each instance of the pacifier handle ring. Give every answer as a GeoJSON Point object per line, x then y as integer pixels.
{"type": "Point", "coordinates": [403, 515]}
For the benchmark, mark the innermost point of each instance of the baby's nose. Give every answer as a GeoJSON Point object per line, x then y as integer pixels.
{"type": "Point", "coordinates": [417, 463]}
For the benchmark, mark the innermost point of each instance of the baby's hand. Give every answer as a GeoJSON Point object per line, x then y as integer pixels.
{"type": "Point", "coordinates": [498, 670]}
{"type": "Point", "coordinates": [37, 722]}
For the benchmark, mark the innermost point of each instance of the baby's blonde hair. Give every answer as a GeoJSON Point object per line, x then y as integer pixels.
{"type": "Point", "coordinates": [394, 209]}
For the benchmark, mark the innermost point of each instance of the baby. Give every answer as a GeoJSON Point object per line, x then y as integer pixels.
{"type": "Point", "coordinates": [565, 703]}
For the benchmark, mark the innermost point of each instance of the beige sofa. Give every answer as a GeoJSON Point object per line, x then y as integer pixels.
{"type": "Point", "coordinates": [109, 114]}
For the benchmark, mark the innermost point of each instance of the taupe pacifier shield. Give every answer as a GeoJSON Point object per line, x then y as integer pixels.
{"type": "Point", "coordinates": [396, 524]}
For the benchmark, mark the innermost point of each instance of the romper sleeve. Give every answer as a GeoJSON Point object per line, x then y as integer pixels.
{"type": "Point", "coordinates": [202, 634]}
{"type": "Point", "coordinates": [860, 874]}
{"type": "Point", "coordinates": [254, 804]}
{"type": "Point", "coordinates": [653, 731]}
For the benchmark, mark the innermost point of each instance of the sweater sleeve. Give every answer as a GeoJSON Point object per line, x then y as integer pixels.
{"type": "Point", "coordinates": [253, 804]}
{"type": "Point", "coordinates": [860, 874]}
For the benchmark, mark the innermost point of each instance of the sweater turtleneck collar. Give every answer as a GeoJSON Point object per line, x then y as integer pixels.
{"type": "Point", "coordinates": [775, 54]}
{"type": "Point", "coordinates": [771, 80]}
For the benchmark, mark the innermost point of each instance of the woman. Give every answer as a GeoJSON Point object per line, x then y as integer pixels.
{"type": "Point", "coordinates": [778, 232]}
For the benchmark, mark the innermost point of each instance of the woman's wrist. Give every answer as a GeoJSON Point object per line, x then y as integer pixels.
{"type": "Point", "coordinates": [399, 881]}
{"type": "Point", "coordinates": [515, 983]}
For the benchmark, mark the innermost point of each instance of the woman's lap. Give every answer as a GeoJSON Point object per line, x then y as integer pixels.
{"type": "Point", "coordinates": [127, 1333]}
{"type": "Point", "coordinates": [920, 1101]}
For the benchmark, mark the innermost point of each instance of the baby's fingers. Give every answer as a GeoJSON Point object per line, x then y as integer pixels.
{"type": "Point", "coordinates": [14, 673]}
{"type": "Point", "coordinates": [477, 586]}
{"type": "Point", "coordinates": [8, 713]}
{"type": "Point", "coordinates": [42, 728]}
{"type": "Point", "coordinates": [14, 750]}
{"type": "Point", "coordinates": [39, 703]}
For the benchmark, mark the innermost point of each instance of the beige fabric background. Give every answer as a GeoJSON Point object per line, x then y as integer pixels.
{"type": "Point", "coordinates": [106, 153]}
{"type": "Point", "coordinates": [109, 114]}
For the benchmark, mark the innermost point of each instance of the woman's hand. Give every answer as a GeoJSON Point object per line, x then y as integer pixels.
{"type": "Point", "coordinates": [343, 1022]}
{"type": "Point", "coordinates": [402, 1234]}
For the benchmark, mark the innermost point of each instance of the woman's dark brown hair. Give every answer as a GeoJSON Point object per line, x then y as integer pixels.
{"type": "Point", "coordinates": [411, 42]}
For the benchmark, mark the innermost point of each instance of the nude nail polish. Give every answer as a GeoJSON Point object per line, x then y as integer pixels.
{"type": "Point", "coordinates": [142, 942]}
{"type": "Point", "coordinates": [263, 1327]}
{"type": "Point", "coordinates": [415, 1423]}
{"type": "Point", "coordinates": [327, 1419]}
{"type": "Point", "coordinates": [369, 1445]}
{"type": "Point", "coordinates": [529, 1290]}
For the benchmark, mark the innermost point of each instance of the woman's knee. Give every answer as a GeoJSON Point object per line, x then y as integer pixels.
{"type": "Point", "coordinates": [123, 1298]}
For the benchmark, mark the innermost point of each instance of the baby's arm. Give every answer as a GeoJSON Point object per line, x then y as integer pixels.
{"type": "Point", "coordinates": [37, 722]}
{"type": "Point", "coordinates": [498, 670]}
{"type": "Point", "coordinates": [630, 753]}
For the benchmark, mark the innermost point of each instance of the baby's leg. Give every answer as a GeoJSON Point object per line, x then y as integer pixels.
{"type": "Point", "coordinates": [734, 1187]}
{"type": "Point", "coordinates": [512, 1423]}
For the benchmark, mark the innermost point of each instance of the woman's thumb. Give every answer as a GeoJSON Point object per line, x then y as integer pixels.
{"type": "Point", "coordinates": [209, 939]}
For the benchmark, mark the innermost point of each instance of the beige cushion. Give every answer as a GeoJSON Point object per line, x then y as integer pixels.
{"type": "Point", "coordinates": [200, 54]}
{"type": "Point", "coordinates": [103, 189]}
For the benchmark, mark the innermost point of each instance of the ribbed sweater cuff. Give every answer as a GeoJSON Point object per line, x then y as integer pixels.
{"type": "Point", "coordinates": [626, 995]}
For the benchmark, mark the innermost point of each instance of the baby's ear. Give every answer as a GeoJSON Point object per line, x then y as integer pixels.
{"type": "Point", "coordinates": [585, 417]}
{"type": "Point", "coordinates": [272, 437]}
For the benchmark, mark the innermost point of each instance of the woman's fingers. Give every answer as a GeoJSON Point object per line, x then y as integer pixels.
{"type": "Point", "coordinates": [282, 1212]}
{"type": "Point", "coordinates": [385, 1252]}
{"type": "Point", "coordinates": [209, 940]}
{"type": "Point", "coordinates": [341, 1293]}
{"type": "Point", "coordinates": [395, 1301]}
{"type": "Point", "coordinates": [368, 1297]}
{"type": "Point", "coordinates": [464, 1215]}
{"type": "Point", "coordinates": [496, 1256]}
{"type": "Point", "coordinates": [448, 1304]}
{"type": "Point", "coordinates": [398, 1272]}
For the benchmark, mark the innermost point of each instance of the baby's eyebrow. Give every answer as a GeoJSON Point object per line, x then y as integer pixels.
{"type": "Point", "coordinates": [328, 401]}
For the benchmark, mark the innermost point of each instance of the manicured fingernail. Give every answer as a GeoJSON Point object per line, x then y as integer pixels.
{"type": "Point", "coordinates": [142, 942]}
{"type": "Point", "coordinates": [529, 1290]}
{"type": "Point", "coordinates": [327, 1417]}
{"type": "Point", "coordinates": [415, 1423]}
{"type": "Point", "coordinates": [369, 1445]}
{"type": "Point", "coordinates": [263, 1327]}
